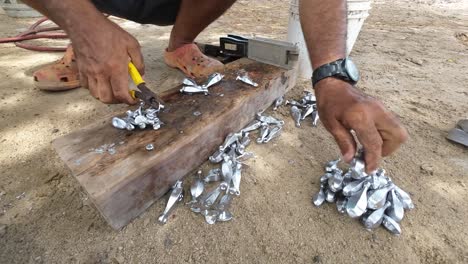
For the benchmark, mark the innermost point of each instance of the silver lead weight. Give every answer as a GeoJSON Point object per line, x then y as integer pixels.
{"type": "Point", "coordinates": [357, 204]}
{"type": "Point", "coordinates": [295, 103]}
{"type": "Point", "coordinates": [391, 225]}
{"type": "Point", "coordinates": [395, 210]}
{"type": "Point", "coordinates": [196, 190]}
{"type": "Point", "coordinates": [141, 118]}
{"type": "Point", "coordinates": [230, 139]}
{"type": "Point", "coordinates": [175, 196]}
{"type": "Point", "coordinates": [307, 106]}
{"type": "Point", "coordinates": [236, 179]}
{"type": "Point", "coordinates": [191, 87]}
{"type": "Point", "coordinates": [374, 219]}
{"type": "Point", "coordinates": [254, 125]}
{"type": "Point", "coordinates": [213, 176]}
{"type": "Point", "coordinates": [213, 79]}
{"type": "Point", "coordinates": [378, 198]}
{"type": "Point", "coordinates": [246, 79]}
{"type": "Point", "coordinates": [194, 89]}
{"type": "Point", "coordinates": [278, 102]}
{"type": "Point", "coordinates": [223, 207]}
{"type": "Point", "coordinates": [189, 82]}
{"type": "Point", "coordinates": [319, 197]}
{"type": "Point", "coordinates": [227, 171]}
{"type": "Point", "coordinates": [210, 198]}
{"type": "Point", "coordinates": [211, 216]}
{"type": "Point", "coordinates": [330, 196]}
{"type": "Point", "coordinates": [315, 118]}
{"type": "Point", "coordinates": [270, 120]}
{"type": "Point", "coordinates": [274, 132]}
{"type": "Point", "coordinates": [405, 198]}
{"type": "Point", "coordinates": [265, 129]}
{"type": "Point", "coordinates": [341, 204]}
{"type": "Point", "coordinates": [308, 111]}
{"type": "Point", "coordinates": [374, 198]}
{"type": "Point", "coordinates": [354, 187]}
{"type": "Point", "coordinates": [296, 113]}
{"type": "Point", "coordinates": [217, 157]}
{"type": "Point", "coordinates": [214, 204]}
{"type": "Point", "coordinates": [332, 165]}
{"type": "Point", "coordinates": [337, 182]}
{"type": "Point", "coordinates": [119, 123]}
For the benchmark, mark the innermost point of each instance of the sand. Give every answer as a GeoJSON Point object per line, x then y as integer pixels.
{"type": "Point", "coordinates": [409, 57]}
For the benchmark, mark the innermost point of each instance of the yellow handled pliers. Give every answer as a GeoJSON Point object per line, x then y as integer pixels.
{"type": "Point", "coordinates": [144, 93]}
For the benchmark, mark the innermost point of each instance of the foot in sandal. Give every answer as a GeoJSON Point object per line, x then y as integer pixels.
{"type": "Point", "coordinates": [63, 74]}
{"type": "Point", "coordinates": [192, 62]}
{"type": "Point", "coordinates": [59, 76]}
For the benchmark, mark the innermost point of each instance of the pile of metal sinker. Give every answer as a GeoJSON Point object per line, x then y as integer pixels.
{"type": "Point", "coordinates": [148, 117]}
{"type": "Point", "coordinates": [373, 198]}
{"type": "Point", "coordinates": [212, 194]}
{"type": "Point", "coordinates": [301, 109]}
{"type": "Point", "coordinates": [141, 118]}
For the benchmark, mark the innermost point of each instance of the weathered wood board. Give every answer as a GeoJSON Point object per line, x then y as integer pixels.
{"type": "Point", "coordinates": [124, 184]}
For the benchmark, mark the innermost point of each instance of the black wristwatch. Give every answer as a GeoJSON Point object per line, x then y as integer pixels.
{"type": "Point", "coordinates": [343, 69]}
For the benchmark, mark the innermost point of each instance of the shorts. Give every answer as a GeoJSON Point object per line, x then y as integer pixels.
{"type": "Point", "coordinates": [156, 12]}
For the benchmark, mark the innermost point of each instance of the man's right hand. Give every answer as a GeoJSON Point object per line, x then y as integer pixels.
{"type": "Point", "coordinates": [343, 108]}
{"type": "Point", "coordinates": [102, 49]}
{"type": "Point", "coordinates": [103, 53]}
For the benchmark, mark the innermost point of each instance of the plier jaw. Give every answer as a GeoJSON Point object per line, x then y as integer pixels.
{"type": "Point", "coordinates": [144, 94]}
{"type": "Point", "coordinates": [147, 96]}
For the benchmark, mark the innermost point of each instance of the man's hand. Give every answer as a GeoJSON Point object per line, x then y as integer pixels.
{"type": "Point", "coordinates": [101, 47]}
{"type": "Point", "coordinates": [343, 108]}
{"type": "Point", "coordinates": [102, 54]}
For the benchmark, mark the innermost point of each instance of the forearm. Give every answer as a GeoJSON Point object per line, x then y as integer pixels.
{"type": "Point", "coordinates": [324, 26]}
{"type": "Point", "coordinates": [74, 16]}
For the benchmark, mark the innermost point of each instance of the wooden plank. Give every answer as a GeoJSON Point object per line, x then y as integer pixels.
{"type": "Point", "coordinates": [124, 184]}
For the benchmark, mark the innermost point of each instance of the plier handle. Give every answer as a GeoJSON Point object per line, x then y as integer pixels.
{"type": "Point", "coordinates": [144, 93]}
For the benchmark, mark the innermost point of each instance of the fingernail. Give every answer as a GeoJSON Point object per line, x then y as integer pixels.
{"type": "Point", "coordinates": [347, 157]}
{"type": "Point", "coordinates": [369, 170]}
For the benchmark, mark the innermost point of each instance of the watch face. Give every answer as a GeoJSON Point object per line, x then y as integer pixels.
{"type": "Point", "coordinates": [352, 70]}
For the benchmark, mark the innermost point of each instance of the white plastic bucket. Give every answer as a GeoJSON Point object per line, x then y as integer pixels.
{"type": "Point", "coordinates": [14, 8]}
{"type": "Point", "coordinates": [296, 36]}
{"type": "Point", "coordinates": [358, 11]}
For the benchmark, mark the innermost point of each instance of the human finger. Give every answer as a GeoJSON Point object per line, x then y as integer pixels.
{"type": "Point", "coordinates": [105, 90]}
{"type": "Point", "coordinates": [92, 87]}
{"type": "Point", "coordinates": [119, 83]}
{"type": "Point", "coordinates": [134, 51]}
{"type": "Point", "coordinates": [83, 80]}
{"type": "Point", "coordinates": [372, 142]}
{"type": "Point", "coordinates": [392, 132]}
{"type": "Point", "coordinates": [343, 138]}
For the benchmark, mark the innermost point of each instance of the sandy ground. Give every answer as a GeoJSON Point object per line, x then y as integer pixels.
{"type": "Point", "coordinates": [410, 58]}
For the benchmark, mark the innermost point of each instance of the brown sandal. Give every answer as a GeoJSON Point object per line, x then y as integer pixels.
{"type": "Point", "coordinates": [60, 76]}
{"type": "Point", "coordinates": [192, 62]}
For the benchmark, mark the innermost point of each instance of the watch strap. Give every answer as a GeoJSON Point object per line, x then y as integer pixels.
{"type": "Point", "coordinates": [332, 69]}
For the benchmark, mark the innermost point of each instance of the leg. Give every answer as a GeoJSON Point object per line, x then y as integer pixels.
{"type": "Point", "coordinates": [37, 6]}
{"type": "Point", "coordinates": [63, 74]}
{"type": "Point", "coordinates": [193, 18]}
